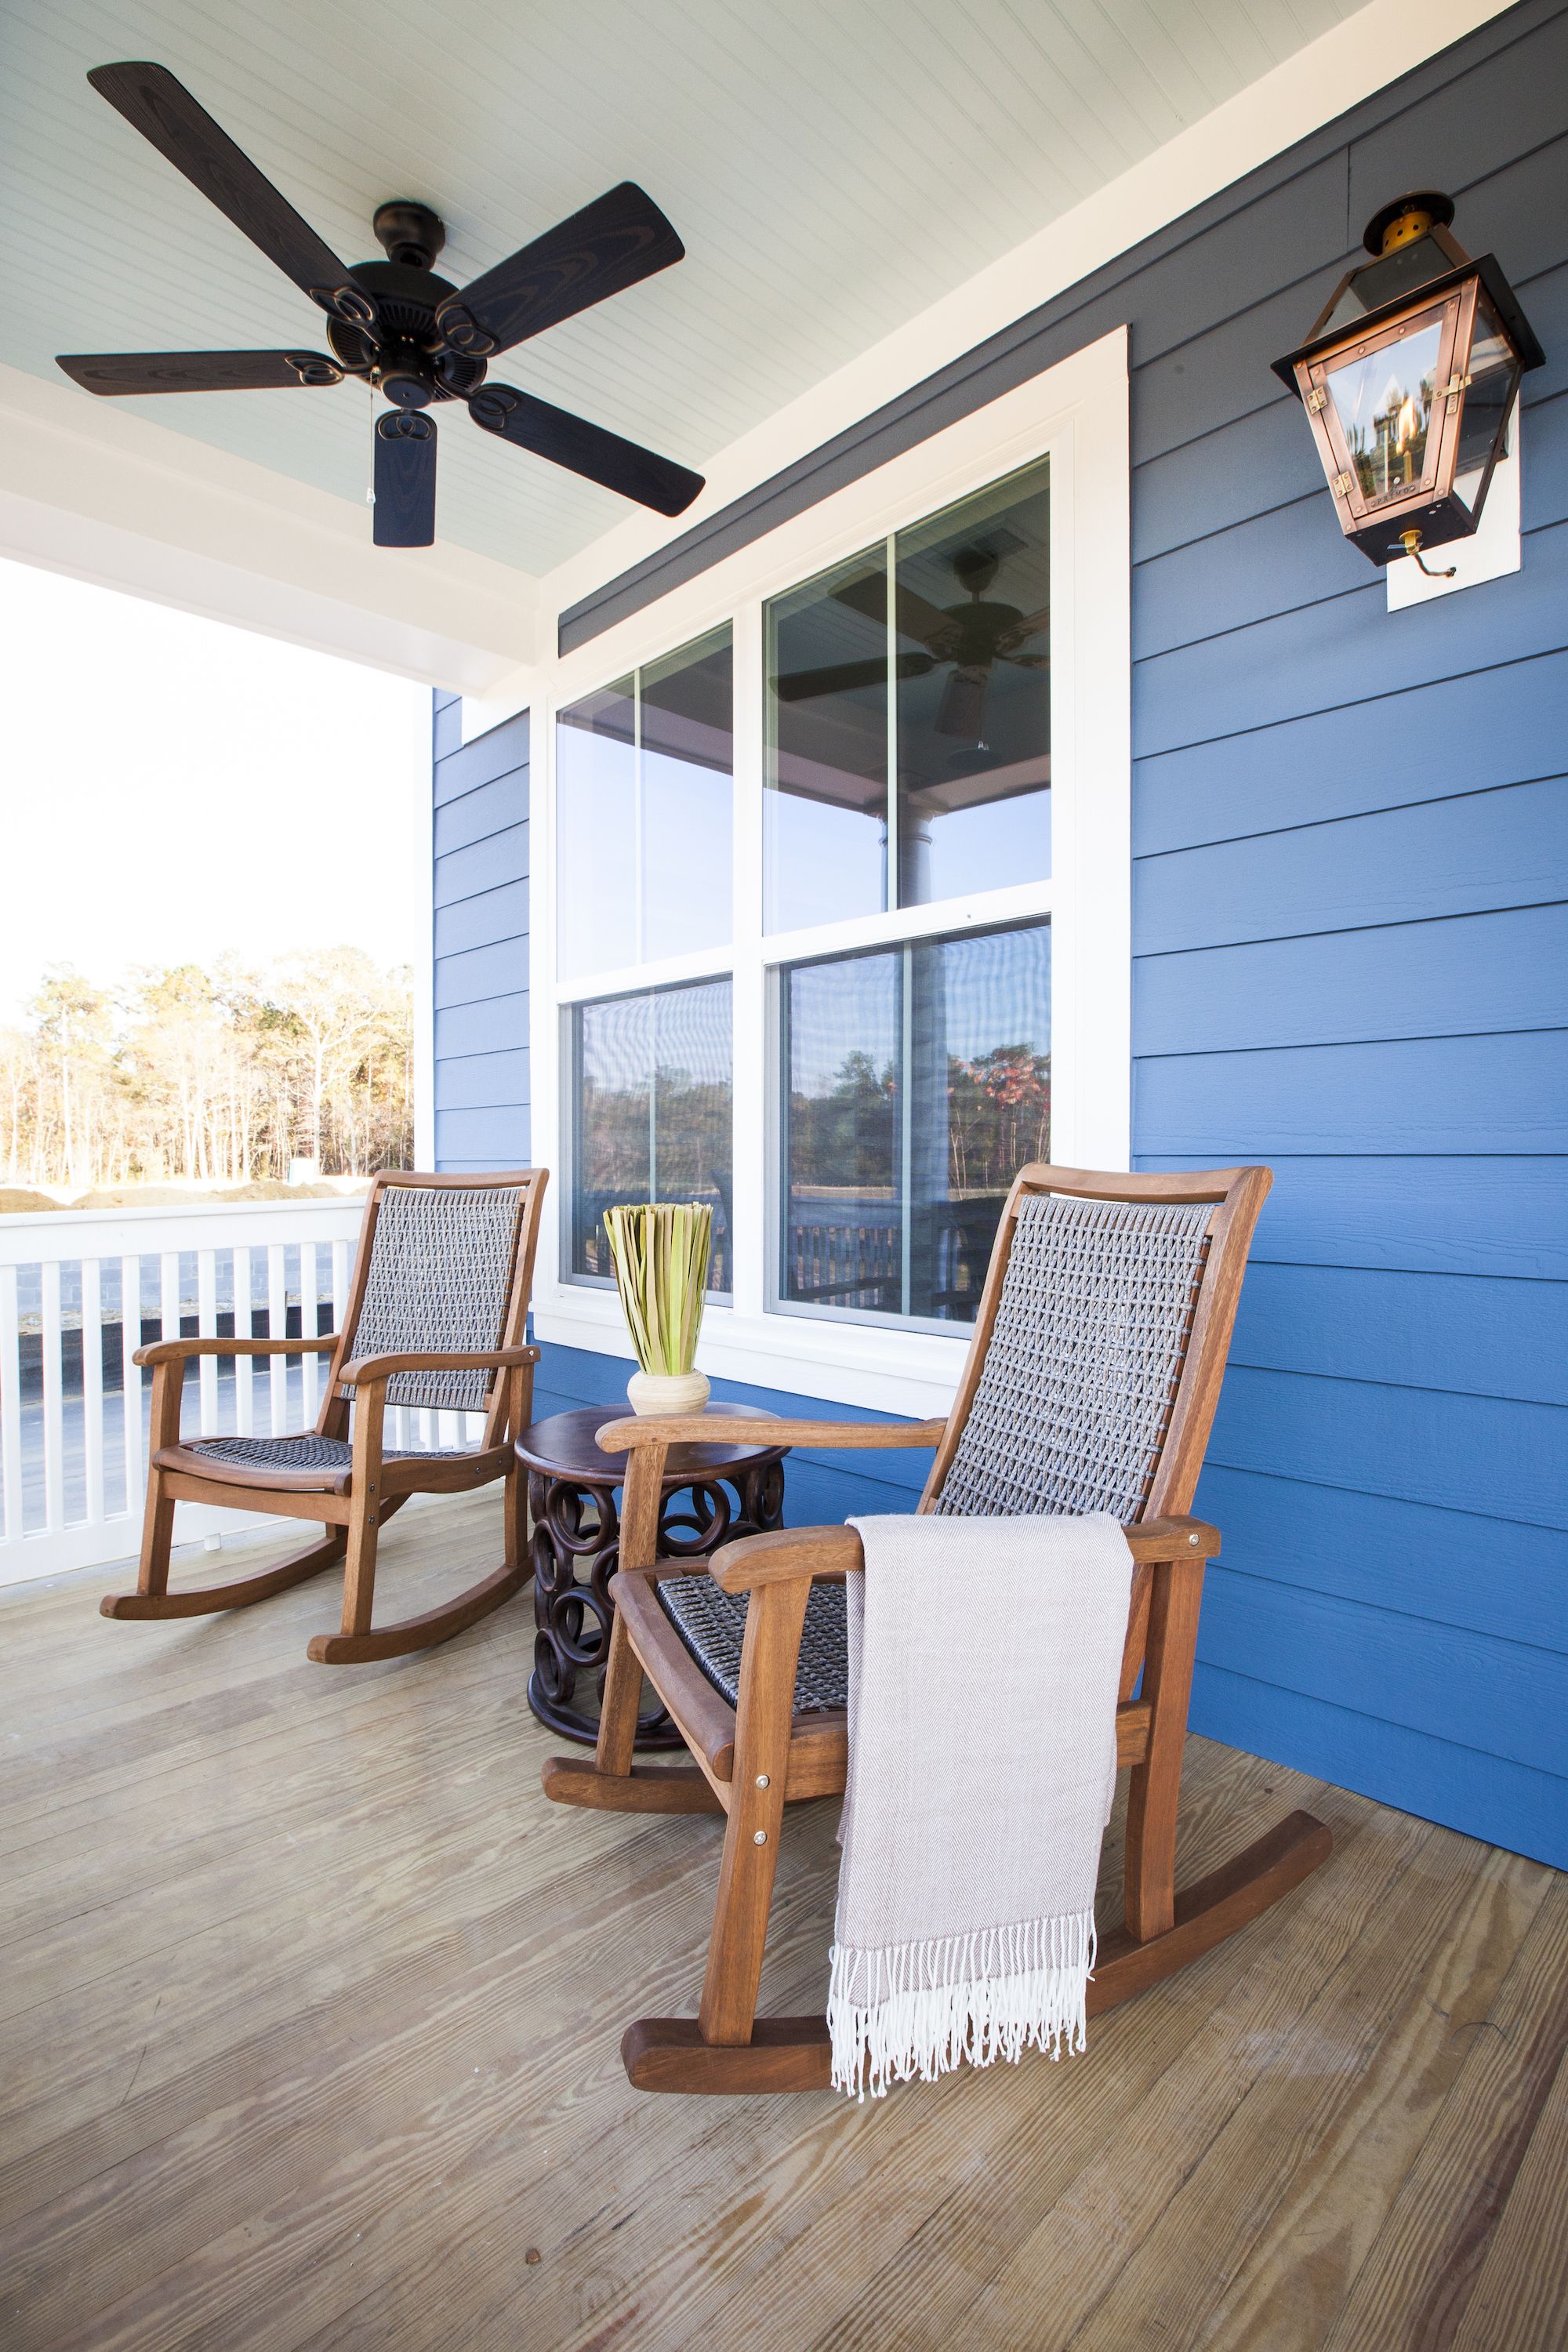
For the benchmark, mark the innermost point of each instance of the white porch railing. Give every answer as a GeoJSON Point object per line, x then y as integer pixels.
{"type": "Point", "coordinates": [80, 1290]}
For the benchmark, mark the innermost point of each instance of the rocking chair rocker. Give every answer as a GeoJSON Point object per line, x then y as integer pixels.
{"type": "Point", "coordinates": [1090, 1384]}
{"type": "Point", "coordinates": [436, 1313]}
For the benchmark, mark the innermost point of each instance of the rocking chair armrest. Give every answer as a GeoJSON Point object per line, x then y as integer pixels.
{"type": "Point", "coordinates": [366, 1372]}
{"type": "Point", "coordinates": [787, 1554]}
{"type": "Point", "coordinates": [1154, 1540]}
{"type": "Point", "coordinates": [783, 1556]}
{"type": "Point", "coordinates": [169, 1352]}
{"type": "Point", "coordinates": [755, 1429]}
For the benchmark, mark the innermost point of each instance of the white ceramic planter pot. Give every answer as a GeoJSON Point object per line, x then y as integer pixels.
{"type": "Point", "coordinates": [656, 1393]}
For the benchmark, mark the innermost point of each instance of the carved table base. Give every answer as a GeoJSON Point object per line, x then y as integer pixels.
{"type": "Point", "coordinates": [713, 1494]}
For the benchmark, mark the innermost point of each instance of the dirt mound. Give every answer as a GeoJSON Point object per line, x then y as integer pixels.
{"type": "Point", "coordinates": [16, 1200]}
{"type": "Point", "coordinates": [192, 1196]}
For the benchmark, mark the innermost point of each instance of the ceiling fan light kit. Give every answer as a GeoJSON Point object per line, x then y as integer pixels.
{"type": "Point", "coordinates": [394, 325]}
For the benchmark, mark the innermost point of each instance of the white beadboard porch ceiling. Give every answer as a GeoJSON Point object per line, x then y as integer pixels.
{"type": "Point", "coordinates": [834, 167]}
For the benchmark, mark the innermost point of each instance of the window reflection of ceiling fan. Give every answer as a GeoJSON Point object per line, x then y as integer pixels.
{"type": "Point", "coordinates": [973, 637]}
{"type": "Point", "coordinates": [413, 336]}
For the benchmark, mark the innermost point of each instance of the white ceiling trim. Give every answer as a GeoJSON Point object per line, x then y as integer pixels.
{"type": "Point", "coordinates": [1324, 80]}
{"type": "Point", "coordinates": [89, 489]}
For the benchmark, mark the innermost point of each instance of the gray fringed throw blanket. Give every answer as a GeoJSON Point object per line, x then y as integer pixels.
{"type": "Point", "coordinates": [984, 1658]}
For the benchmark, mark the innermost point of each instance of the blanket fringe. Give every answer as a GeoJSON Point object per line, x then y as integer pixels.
{"type": "Point", "coordinates": [922, 2009]}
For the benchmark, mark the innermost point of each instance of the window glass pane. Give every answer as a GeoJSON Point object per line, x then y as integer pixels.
{"type": "Point", "coordinates": [825, 810]}
{"type": "Point", "coordinates": [1384, 403]}
{"type": "Point", "coordinates": [916, 1085]}
{"type": "Point", "coordinates": [652, 1121]}
{"type": "Point", "coordinates": [974, 694]}
{"type": "Point", "coordinates": [843, 1240]}
{"type": "Point", "coordinates": [643, 791]}
{"type": "Point", "coordinates": [688, 762]}
{"type": "Point", "coordinates": [595, 830]}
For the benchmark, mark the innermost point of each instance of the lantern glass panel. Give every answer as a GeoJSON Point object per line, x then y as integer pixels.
{"type": "Point", "coordinates": [1387, 280]}
{"type": "Point", "coordinates": [1386, 405]}
{"type": "Point", "coordinates": [1494, 375]}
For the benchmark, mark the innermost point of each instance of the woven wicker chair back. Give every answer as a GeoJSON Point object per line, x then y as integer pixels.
{"type": "Point", "coordinates": [440, 1278]}
{"type": "Point", "coordinates": [1091, 1331]}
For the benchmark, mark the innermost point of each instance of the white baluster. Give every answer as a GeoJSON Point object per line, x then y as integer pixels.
{"type": "Point", "coordinates": [169, 1308]}
{"type": "Point", "coordinates": [92, 1384]}
{"type": "Point", "coordinates": [340, 1263]}
{"type": "Point", "coordinates": [310, 1366]}
{"type": "Point", "coordinates": [10, 1404]}
{"type": "Point", "coordinates": [206, 1326]}
{"type": "Point", "coordinates": [243, 1366]}
{"type": "Point", "coordinates": [130, 1378]}
{"type": "Point", "coordinates": [278, 1324]}
{"type": "Point", "coordinates": [54, 1418]}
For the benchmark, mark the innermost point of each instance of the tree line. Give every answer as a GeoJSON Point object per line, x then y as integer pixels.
{"type": "Point", "coordinates": [220, 1076]}
{"type": "Point", "coordinates": [997, 1115]}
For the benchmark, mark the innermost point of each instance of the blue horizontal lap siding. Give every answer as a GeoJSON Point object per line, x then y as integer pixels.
{"type": "Point", "coordinates": [1350, 830]}
{"type": "Point", "coordinates": [479, 911]}
{"type": "Point", "coordinates": [1479, 850]}
{"type": "Point", "coordinates": [1436, 1214]}
{"type": "Point", "coordinates": [493, 1025]}
{"type": "Point", "coordinates": [1471, 731]}
{"type": "Point", "coordinates": [1471, 1335]}
{"type": "Point", "coordinates": [1477, 973]}
{"type": "Point", "coordinates": [1418, 1561]}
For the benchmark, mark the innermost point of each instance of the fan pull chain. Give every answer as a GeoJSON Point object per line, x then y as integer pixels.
{"type": "Point", "coordinates": [370, 483]}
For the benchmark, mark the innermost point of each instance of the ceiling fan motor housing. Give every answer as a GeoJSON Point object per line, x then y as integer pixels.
{"type": "Point", "coordinates": [408, 232]}
{"type": "Point", "coordinates": [405, 361]}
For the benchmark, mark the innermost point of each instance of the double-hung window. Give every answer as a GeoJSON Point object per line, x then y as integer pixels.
{"type": "Point", "coordinates": [834, 931]}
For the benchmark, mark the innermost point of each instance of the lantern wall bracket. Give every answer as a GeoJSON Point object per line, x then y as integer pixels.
{"type": "Point", "coordinates": [1409, 544]}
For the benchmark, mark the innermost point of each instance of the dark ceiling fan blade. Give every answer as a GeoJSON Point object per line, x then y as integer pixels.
{"type": "Point", "coordinates": [133, 371]}
{"type": "Point", "coordinates": [1027, 626]}
{"type": "Point", "coordinates": [612, 243]}
{"type": "Point", "coordinates": [962, 710]}
{"type": "Point", "coordinates": [185, 133]}
{"type": "Point", "coordinates": [404, 479]}
{"type": "Point", "coordinates": [927, 624]}
{"type": "Point", "coordinates": [842, 678]}
{"type": "Point", "coordinates": [584, 448]}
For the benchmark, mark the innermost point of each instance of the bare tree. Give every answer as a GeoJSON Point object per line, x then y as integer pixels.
{"type": "Point", "coordinates": [214, 1077]}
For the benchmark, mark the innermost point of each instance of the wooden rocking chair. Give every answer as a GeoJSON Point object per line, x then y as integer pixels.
{"type": "Point", "coordinates": [436, 1313]}
{"type": "Point", "coordinates": [1090, 1384]}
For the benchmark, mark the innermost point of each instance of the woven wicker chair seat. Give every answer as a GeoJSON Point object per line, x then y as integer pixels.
{"type": "Point", "coordinates": [329, 1455]}
{"type": "Point", "coordinates": [1069, 1415]}
{"type": "Point", "coordinates": [712, 1625]}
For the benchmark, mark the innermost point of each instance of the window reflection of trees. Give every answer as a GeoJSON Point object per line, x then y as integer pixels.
{"type": "Point", "coordinates": [863, 1231]}
{"type": "Point", "coordinates": [654, 1114]}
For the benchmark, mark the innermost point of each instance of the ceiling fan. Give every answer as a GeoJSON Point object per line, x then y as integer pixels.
{"type": "Point", "coordinates": [394, 325]}
{"type": "Point", "coordinates": [973, 637]}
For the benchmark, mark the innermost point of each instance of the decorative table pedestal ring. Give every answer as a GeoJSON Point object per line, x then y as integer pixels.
{"type": "Point", "coordinates": [710, 1494]}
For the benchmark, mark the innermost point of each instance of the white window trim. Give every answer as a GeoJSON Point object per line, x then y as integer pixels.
{"type": "Point", "coordinates": [1078, 414]}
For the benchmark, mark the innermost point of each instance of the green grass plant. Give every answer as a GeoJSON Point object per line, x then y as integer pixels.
{"type": "Point", "coordinates": [661, 1251]}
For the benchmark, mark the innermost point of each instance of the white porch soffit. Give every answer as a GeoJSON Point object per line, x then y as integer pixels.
{"type": "Point", "coordinates": [865, 188]}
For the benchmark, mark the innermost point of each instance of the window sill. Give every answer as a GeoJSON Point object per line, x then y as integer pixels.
{"type": "Point", "coordinates": [896, 1371]}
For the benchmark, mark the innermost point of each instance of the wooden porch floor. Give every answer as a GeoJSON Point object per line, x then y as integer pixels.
{"type": "Point", "coordinates": [312, 2004]}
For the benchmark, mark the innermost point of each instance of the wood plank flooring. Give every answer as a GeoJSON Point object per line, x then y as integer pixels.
{"type": "Point", "coordinates": [309, 2007]}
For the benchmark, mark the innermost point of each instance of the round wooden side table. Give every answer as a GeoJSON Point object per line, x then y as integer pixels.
{"type": "Point", "coordinates": [712, 1494]}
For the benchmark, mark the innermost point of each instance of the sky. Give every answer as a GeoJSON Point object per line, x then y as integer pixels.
{"type": "Point", "coordinates": [172, 790]}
